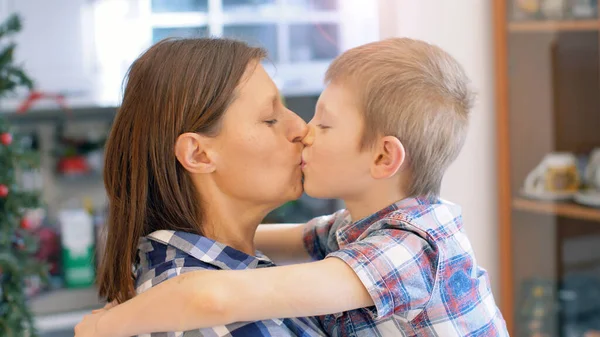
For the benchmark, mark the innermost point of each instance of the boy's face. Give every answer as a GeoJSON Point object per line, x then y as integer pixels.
{"type": "Point", "coordinates": [333, 166]}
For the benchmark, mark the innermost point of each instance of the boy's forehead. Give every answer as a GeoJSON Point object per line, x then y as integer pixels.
{"type": "Point", "coordinates": [328, 101]}
{"type": "Point", "coordinates": [336, 99]}
{"type": "Point", "coordinates": [323, 109]}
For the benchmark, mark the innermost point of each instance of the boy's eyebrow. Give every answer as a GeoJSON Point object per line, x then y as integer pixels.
{"type": "Point", "coordinates": [322, 109]}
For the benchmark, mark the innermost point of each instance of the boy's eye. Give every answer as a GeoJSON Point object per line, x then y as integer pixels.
{"type": "Point", "coordinates": [271, 121]}
{"type": "Point", "coordinates": [323, 127]}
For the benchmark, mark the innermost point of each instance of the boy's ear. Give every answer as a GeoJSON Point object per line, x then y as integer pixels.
{"type": "Point", "coordinates": [389, 157]}
{"type": "Point", "coordinates": [192, 152]}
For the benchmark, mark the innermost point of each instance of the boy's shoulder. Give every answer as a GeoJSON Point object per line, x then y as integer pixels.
{"type": "Point", "coordinates": [432, 219]}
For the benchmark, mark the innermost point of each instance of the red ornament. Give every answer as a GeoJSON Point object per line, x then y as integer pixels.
{"type": "Point", "coordinates": [3, 191]}
{"type": "Point", "coordinates": [6, 138]}
{"type": "Point", "coordinates": [25, 224]}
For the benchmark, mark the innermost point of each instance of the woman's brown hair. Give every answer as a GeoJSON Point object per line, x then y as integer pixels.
{"type": "Point", "coordinates": [176, 86]}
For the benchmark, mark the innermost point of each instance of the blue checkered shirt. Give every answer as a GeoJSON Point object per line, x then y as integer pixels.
{"type": "Point", "coordinates": [166, 254]}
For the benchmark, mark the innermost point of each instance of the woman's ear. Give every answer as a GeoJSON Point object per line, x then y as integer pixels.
{"type": "Point", "coordinates": [192, 152]}
{"type": "Point", "coordinates": [389, 157]}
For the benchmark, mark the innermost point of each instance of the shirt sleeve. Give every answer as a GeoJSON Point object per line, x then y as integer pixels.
{"type": "Point", "coordinates": [317, 233]}
{"type": "Point", "coordinates": [397, 267]}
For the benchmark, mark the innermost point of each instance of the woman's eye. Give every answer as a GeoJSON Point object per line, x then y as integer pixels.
{"type": "Point", "coordinates": [271, 121]}
{"type": "Point", "coordinates": [323, 127]}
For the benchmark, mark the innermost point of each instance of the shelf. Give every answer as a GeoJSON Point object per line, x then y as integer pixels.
{"type": "Point", "coordinates": [54, 115]}
{"type": "Point", "coordinates": [59, 322]}
{"type": "Point", "coordinates": [550, 26]}
{"type": "Point", "coordinates": [62, 309]}
{"type": "Point", "coordinates": [568, 210]}
{"type": "Point", "coordinates": [65, 301]}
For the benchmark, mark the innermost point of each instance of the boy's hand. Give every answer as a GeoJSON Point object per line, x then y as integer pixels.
{"type": "Point", "coordinates": [91, 325]}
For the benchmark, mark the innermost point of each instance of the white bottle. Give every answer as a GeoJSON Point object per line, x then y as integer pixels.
{"type": "Point", "coordinates": [77, 247]}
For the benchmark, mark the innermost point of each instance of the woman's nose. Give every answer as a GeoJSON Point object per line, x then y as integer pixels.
{"type": "Point", "coordinates": [310, 136]}
{"type": "Point", "coordinates": [298, 129]}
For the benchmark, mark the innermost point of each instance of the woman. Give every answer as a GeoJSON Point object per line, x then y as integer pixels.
{"type": "Point", "coordinates": [201, 150]}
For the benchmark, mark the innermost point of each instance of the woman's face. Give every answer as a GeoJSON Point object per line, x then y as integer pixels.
{"type": "Point", "coordinates": [258, 150]}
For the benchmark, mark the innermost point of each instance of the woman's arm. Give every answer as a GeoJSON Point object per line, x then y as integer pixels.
{"type": "Point", "coordinates": [283, 243]}
{"type": "Point", "coordinates": [209, 298]}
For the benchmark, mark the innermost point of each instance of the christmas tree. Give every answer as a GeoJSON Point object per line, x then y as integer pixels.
{"type": "Point", "coordinates": [17, 246]}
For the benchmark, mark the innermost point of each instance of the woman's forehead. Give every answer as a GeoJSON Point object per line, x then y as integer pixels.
{"type": "Point", "coordinates": [258, 87]}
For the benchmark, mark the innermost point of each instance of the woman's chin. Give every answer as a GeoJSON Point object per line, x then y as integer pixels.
{"type": "Point", "coordinates": [298, 190]}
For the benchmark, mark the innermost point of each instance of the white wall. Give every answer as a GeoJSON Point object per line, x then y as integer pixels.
{"type": "Point", "coordinates": [464, 29]}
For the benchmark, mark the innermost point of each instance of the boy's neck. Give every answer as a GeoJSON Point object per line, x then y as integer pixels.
{"type": "Point", "coordinates": [373, 200]}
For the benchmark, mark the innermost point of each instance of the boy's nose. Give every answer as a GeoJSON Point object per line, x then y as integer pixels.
{"type": "Point", "coordinates": [310, 136]}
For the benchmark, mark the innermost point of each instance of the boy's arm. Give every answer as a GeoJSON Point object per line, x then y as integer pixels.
{"type": "Point", "coordinates": [282, 243]}
{"type": "Point", "coordinates": [210, 298]}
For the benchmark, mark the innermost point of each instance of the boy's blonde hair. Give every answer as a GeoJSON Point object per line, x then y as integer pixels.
{"type": "Point", "coordinates": [416, 92]}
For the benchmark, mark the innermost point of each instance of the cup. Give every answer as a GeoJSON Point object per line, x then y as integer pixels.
{"type": "Point", "coordinates": [556, 176]}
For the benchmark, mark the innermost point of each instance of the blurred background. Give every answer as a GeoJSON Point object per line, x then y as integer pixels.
{"type": "Point", "coordinates": [528, 177]}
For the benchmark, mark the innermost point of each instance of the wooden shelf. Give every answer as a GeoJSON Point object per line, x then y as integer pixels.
{"type": "Point", "coordinates": [568, 210]}
{"type": "Point", "coordinates": [549, 26]}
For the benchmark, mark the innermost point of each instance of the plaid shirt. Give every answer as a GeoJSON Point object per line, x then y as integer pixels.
{"type": "Point", "coordinates": [166, 254]}
{"type": "Point", "coordinates": [415, 260]}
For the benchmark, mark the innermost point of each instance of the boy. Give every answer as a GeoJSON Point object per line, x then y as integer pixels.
{"type": "Point", "coordinates": [392, 118]}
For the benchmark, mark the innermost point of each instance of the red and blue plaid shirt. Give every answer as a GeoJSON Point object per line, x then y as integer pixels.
{"type": "Point", "coordinates": [417, 263]}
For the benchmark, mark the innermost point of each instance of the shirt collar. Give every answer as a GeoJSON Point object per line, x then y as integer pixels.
{"type": "Point", "coordinates": [201, 248]}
